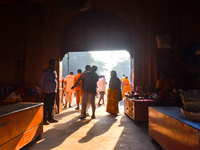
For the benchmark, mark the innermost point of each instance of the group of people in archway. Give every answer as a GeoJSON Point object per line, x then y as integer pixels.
{"type": "Point", "coordinates": [85, 86]}
{"type": "Point", "coordinates": [88, 84]}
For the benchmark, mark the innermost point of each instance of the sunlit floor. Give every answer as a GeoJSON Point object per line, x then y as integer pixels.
{"type": "Point", "coordinates": [105, 132]}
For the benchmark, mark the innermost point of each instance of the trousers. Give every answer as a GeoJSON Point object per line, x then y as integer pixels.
{"type": "Point", "coordinates": [48, 105]}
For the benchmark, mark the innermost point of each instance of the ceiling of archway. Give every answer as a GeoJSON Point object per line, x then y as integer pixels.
{"type": "Point", "coordinates": [95, 30]}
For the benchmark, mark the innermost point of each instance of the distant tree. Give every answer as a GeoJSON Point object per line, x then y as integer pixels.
{"type": "Point", "coordinates": [78, 60]}
{"type": "Point", "coordinates": [123, 68]}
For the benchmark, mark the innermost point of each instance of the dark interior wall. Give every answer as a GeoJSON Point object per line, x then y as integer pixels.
{"type": "Point", "coordinates": [179, 20]}
{"type": "Point", "coordinates": [190, 21]}
{"type": "Point", "coordinates": [32, 36]}
{"type": "Point", "coordinates": [190, 25]}
{"type": "Point", "coordinates": [27, 42]}
{"type": "Point", "coordinates": [12, 49]}
{"type": "Point", "coordinates": [96, 29]}
{"type": "Point", "coordinates": [162, 20]}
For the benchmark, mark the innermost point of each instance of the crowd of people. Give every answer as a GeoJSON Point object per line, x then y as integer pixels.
{"type": "Point", "coordinates": [86, 86]}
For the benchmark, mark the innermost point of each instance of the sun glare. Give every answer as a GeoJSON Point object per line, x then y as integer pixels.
{"type": "Point", "coordinates": [118, 60]}
{"type": "Point", "coordinates": [110, 58]}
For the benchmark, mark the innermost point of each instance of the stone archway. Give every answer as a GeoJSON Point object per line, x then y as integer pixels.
{"type": "Point", "coordinates": [96, 29]}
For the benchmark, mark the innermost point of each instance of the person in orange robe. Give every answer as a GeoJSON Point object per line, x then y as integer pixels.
{"type": "Point", "coordinates": [78, 88]}
{"type": "Point", "coordinates": [126, 86]}
{"type": "Point", "coordinates": [164, 86]}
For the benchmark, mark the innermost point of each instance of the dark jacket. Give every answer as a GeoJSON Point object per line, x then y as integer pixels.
{"type": "Point", "coordinates": [90, 82]}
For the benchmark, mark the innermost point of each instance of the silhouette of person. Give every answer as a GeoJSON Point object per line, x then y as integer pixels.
{"type": "Point", "coordinates": [69, 82]}
{"type": "Point", "coordinates": [164, 86]}
{"type": "Point", "coordinates": [113, 95]}
{"type": "Point", "coordinates": [89, 90]}
{"type": "Point", "coordinates": [101, 84]}
{"type": "Point", "coordinates": [49, 84]}
{"type": "Point", "coordinates": [78, 88]}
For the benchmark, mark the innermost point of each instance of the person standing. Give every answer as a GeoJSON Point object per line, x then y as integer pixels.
{"type": "Point", "coordinates": [89, 91]}
{"type": "Point", "coordinates": [69, 82]}
{"type": "Point", "coordinates": [126, 86]}
{"type": "Point", "coordinates": [122, 79]}
{"type": "Point", "coordinates": [101, 84]}
{"type": "Point", "coordinates": [87, 68]}
{"type": "Point", "coordinates": [113, 95]}
{"type": "Point", "coordinates": [49, 84]}
{"type": "Point", "coordinates": [78, 88]}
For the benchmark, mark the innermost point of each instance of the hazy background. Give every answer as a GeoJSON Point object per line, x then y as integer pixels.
{"type": "Point", "coordinates": [104, 60]}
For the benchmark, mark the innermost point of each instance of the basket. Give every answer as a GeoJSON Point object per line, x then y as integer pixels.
{"type": "Point", "coordinates": [191, 96]}
{"type": "Point", "coordinates": [193, 116]}
{"type": "Point", "coordinates": [192, 106]}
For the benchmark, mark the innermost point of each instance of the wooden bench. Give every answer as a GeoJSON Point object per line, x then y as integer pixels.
{"type": "Point", "coordinates": [20, 123]}
{"type": "Point", "coordinates": [172, 130]}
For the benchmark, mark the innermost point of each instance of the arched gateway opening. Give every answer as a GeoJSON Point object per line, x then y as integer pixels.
{"type": "Point", "coordinates": [95, 30]}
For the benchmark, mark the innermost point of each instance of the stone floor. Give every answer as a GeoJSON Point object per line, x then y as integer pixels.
{"type": "Point", "coordinates": [105, 132]}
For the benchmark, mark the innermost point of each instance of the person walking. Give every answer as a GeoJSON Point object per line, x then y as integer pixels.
{"type": "Point", "coordinates": [101, 84]}
{"type": "Point", "coordinates": [78, 88]}
{"type": "Point", "coordinates": [113, 95]}
{"type": "Point", "coordinates": [89, 90]}
{"type": "Point", "coordinates": [49, 84]}
{"type": "Point", "coordinates": [69, 82]}
{"type": "Point", "coordinates": [87, 69]}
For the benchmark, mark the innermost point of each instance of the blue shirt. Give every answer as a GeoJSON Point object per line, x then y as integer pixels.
{"type": "Point", "coordinates": [48, 81]}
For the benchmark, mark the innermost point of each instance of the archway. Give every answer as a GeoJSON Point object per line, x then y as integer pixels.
{"type": "Point", "coordinates": [96, 30]}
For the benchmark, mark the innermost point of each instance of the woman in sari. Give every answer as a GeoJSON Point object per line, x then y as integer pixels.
{"type": "Point", "coordinates": [113, 94]}
{"type": "Point", "coordinates": [126, 86]}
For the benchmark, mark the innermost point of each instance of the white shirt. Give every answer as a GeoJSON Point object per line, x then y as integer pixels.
{"type": "Point", "coordinates": [69, 82]}
{"type": "Point", "coordinates": [101, 84]}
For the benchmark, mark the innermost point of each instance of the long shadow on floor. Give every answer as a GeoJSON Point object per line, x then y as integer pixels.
{"type": "Point", "coordinates": [100, 127]}
{"type": "Point", "coordinates": [135, 136]}
{"type": "Point", "coordinates": [58, 132]}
